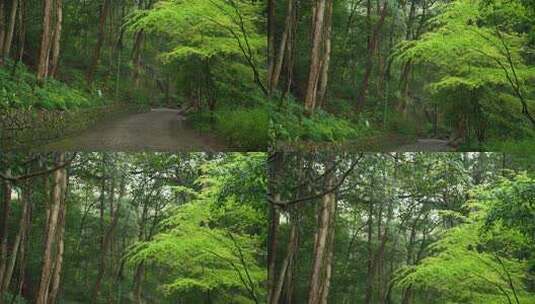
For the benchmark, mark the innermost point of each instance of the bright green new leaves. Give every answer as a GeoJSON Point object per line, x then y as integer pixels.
{"type": "Point", "coordinates": [462, 273]}
{"type": "Point", "coordinates": [484, 259]}
{"type": "Point", "coordinates": [470, 51]}
{"type": "Point", "coordinates": [202, 257]}
{"type": "Point", "coordinates": [213, 243]}
{"type": "Point", "coordinates": [204, 29]}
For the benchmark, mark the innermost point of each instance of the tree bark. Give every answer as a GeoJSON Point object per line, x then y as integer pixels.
{"type": "Point", "coordinates": [100, 40]}
{"type": "Point", "coordinates": [6, 206]}
{"type": "Point", "coordinates": [330, 255]}
{"type": "Point", "coordinates": [51, 232]}
{"type": "Point", "coordinates": [282, 279]}
{"type": "Point", "coordinates": [326, 56]}
{"type": "Point", "coordinates": [372, 48]}
{"type": "Point", "coordinates": [371, 266]}
{"type": "Point", "coordinates": [271, 42]}
{"type": "Point", "coordinates": [11, 29]}
{"type": "Point", "coordinates": [42, 65]}
{"type": "Point", "coordinates": [315, 56]}
{"type": "Point", "coordinates": [106, 243]}
{"type": "Point", "coordinates": [138, 278]}
{"type": "Point", "coordinates": [60, 232]}
{"type": "Point", "coordinates": [136, 57]}
{"type": "Point", "coordinates": [54, 61]}
{"type": "Point", "coordinates": [283, 49]}
{"type": "Point", "coordinates": [273, 247]}
{"type": "Point", "coordinates": [22, 252]}
{"type": "Point", "coordinates": [275, 170]}
{"type": "Point", "coordinates": [19, 239]}
{"type": "Point", "coordinates": [2, 26]}
{"type": "Point", "coordinates": [22, 30]}
{"type": "Point", "coordinates": [320, 277]}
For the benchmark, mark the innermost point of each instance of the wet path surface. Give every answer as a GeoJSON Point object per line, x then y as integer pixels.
{"type": "Point", "coordinates": [158, 130]}
{"type": "Point", "coordinates": [426, 145]}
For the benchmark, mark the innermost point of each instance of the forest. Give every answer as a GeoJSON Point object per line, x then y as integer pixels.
{"type": "Point", "coordinates": [133, 228]}
{"type": "Point", "coordinates": [63, 64]}
{"type": "Point", "coordinates": [401, 228]}
{"type": "Point", "coordinates": [376, 75]}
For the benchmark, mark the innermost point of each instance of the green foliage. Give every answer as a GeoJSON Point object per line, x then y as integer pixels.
{"type": "Point", "coordinates": [19, 89]}
{"type": "Point", "coordinates": [513, 204]}
{"type": "Point", "coordinates": [289, 124]}
{"type": "Point", "coordinates": [516, 147]}
{"type": "Point", "coordinates": [477, 52]}
{"type": "Point", "coordinates": [204, 29]}
{"type": "Point", "coordinates": [12, 299]}
{"type": "Point", "coordinates": [461, 273]}
{"type": "Point", "coordinates": [211, 243]}
{"type": "Point", "coordinates": [482, 260]}
{"type": "Point", "coordinates": [242, 127]}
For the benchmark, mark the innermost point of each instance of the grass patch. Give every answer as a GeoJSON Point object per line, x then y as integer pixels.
{"type": "Point", "coordinates": [244, 128]}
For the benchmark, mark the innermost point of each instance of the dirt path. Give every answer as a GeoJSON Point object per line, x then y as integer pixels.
{"type": "Point", "coordinates": [158, 130]}
{"type": "Point", "coordinates": [426, 145]}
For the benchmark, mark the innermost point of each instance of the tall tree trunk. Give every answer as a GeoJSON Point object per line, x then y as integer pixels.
{"type": "Point", "coordinates": [273, 247]}
{"type": "Point", "coordinates": [6, 206]}
{"type": "Point", "coordinates": [404, 87]}
{"type": "Point", "coordinates": [138, 279]}
{"type": "Point", "coordinates": [404, 104]}
{"type": "Point", "coordinates": [290, 54]}
{"type": "Point", "coordinates": [406, 293]}
{"type": "Point", "coordinates": [283, 49]}
{"type": "Point", "coordinates": [319, 278]}
{"type": "Point", "coordinates": [275, 170]}
{"type": "Point", "coordinates": [22, 252]}
{"type": "Point", "coordinates": [271, 42]}
{"type": "Point", "coordinates": [19, 239]}
{"type": "Point", "coordinates": [42, 65]}
{"type": "Point", "coordinates": [60, 232]}
{"type": "Point", "coordinates": [330, 255]}
{"type": "Point", "coordinates": [326, 56]}
{"type": "Point", "coordinates": [10, 29]}
{"type": "Point", "coordinates": [372, 48]}
{"type": "Point", "coordinates": [371, 266]}
{"type": "Point", "coordinates": [105, 247]}
{"type": "Point", "coordinates": [315, 56]}
{"type": "Point", "coordinates": [283, 275]}
{"type": "Point", "coordinates": [54, 61]}
{"type": "Point", "coordinates": [22, 30]}
{"type": "Point", "coordinates": [2, 26]}
{"type": "Point", "coordinates": [51, 232]}
{"type": "Point", "coordinates": [104, 9]}
{"type": "Point", "coordinates": [136, 57]}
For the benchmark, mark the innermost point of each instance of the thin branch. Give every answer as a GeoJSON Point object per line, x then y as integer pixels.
{"type": "Point", "coordinates": [320, 194]}
{"type": "Point", "coordinates": [37, 173]}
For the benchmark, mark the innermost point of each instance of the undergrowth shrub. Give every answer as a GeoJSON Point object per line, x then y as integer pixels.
{"type": "Point", "coordinates": [512, 146]}
{"type": "Point", "coordinates": [290, 124]}
{"type": "Point", "coordinates": [396, 123]}
{"type": "Point", "coordinates": [245, 128]}
{"type": "Point", "coordinates": [19, 89]}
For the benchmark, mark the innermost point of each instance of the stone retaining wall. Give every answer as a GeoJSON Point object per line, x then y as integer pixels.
{"type": "Point", "coordinates": [22, 129]}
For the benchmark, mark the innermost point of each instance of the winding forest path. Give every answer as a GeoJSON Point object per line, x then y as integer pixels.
{"type": "Point", "coordinates": [160, 129]}
{"type": "Point", "coordinates": [426, 145]}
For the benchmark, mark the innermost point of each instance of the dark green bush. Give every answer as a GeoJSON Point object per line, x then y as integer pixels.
{"type": "Point", "coordinates": [243, 128]}
{"type": "Point", "coordinates": [289, 124]}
